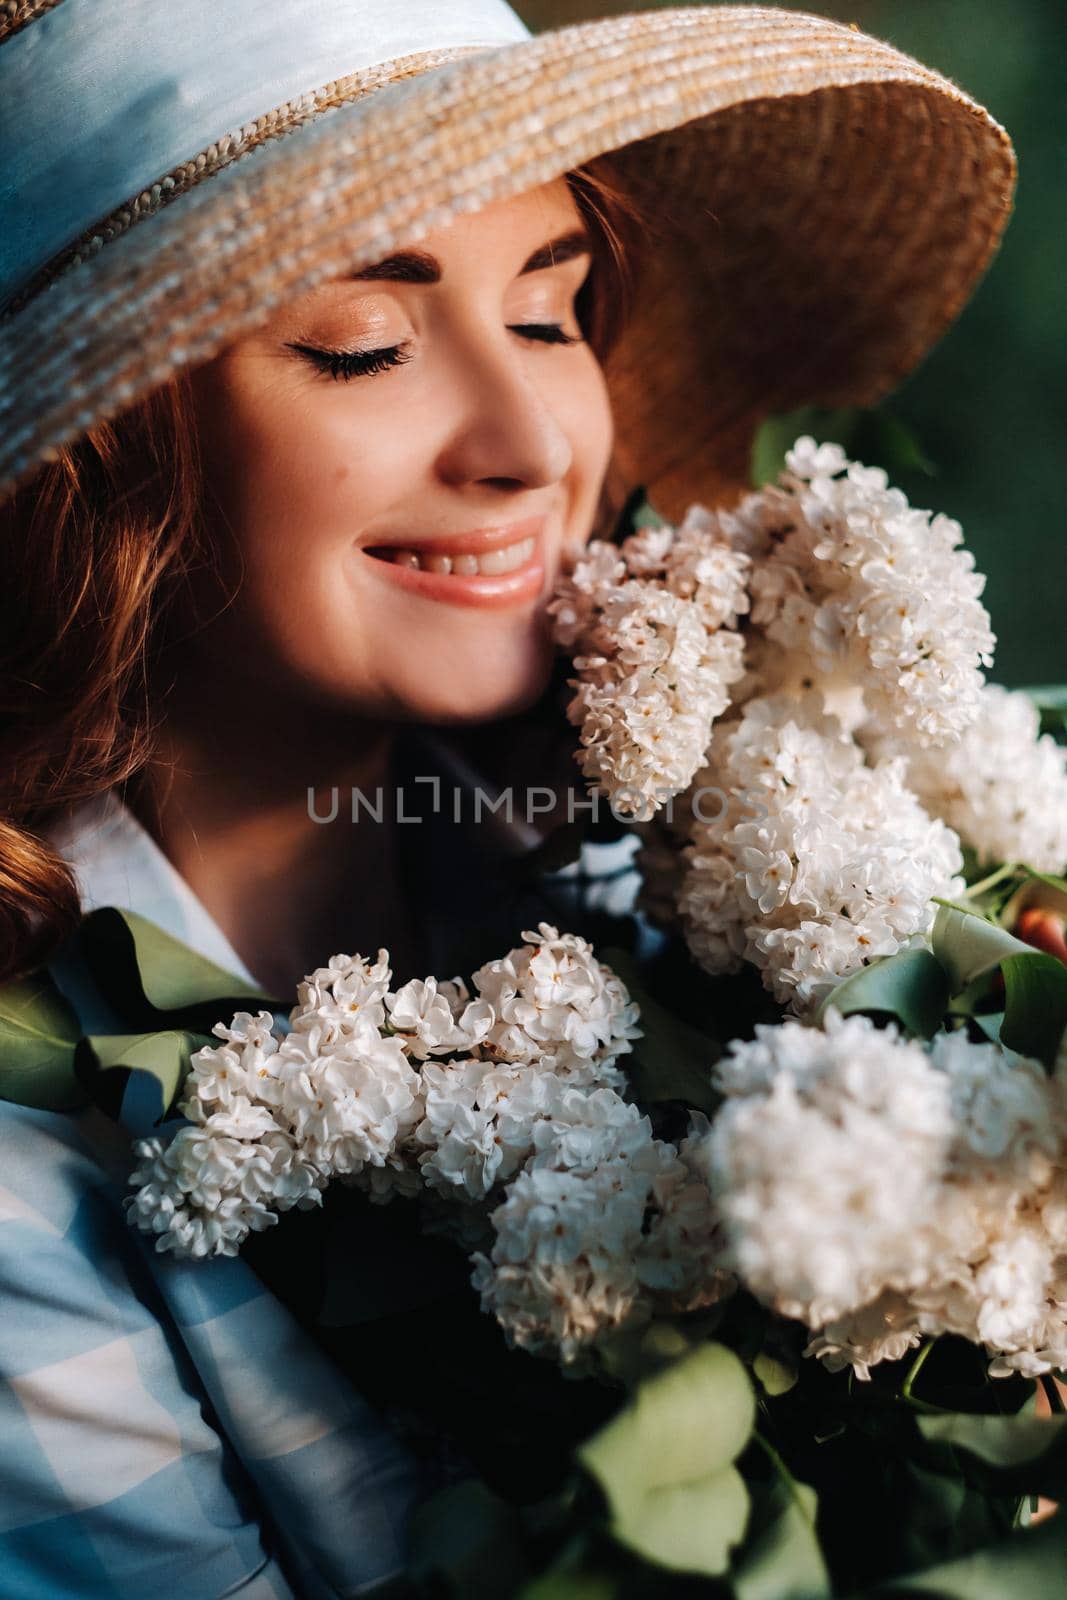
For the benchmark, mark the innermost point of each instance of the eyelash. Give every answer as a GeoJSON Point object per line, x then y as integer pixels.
{"type": "Point", "coordinates": [363, 363]}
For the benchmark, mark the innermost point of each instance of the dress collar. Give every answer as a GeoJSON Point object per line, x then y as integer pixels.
{"type": "Point", "coordinates": [117, 863]}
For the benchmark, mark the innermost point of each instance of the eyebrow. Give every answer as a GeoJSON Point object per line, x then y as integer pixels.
{"type": "Point", "coordinates": [418, 266]}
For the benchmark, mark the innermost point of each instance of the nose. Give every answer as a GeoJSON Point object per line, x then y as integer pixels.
{"type": "Point", "coordinates": [506, 432]}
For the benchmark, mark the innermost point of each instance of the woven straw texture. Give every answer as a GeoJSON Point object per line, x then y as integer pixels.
{"type": "Point", "coordinates": [823, 207]}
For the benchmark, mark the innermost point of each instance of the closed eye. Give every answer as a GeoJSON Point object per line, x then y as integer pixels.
{"type": "Point", "coordinates": [549, 332]}
{"type": "Point", "coordinates": [363, 363]}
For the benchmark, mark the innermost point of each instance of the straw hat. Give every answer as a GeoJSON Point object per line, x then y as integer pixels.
{"type": "Point", "coordinates": [824, 204]}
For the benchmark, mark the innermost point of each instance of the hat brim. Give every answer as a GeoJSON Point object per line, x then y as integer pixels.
{"type": "Point", "coordinates": [824, 206]}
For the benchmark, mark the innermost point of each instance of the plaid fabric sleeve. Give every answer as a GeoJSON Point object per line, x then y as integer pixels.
{"type": "Point", "coordinates": [167, 1427]}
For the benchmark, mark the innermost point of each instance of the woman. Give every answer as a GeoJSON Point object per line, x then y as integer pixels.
{"type": "Point", "coordinates": [299, 326]}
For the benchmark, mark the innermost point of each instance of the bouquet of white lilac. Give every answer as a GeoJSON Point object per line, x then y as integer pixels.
{"type": "Point", "coordinates": [788, 697]}
{"type": "Point", "coordinates": [854, 1193]}
{"type": "Point", "coordinates": [769, 1237]}
{"type": "Point", "coordinates": [874, 1187]}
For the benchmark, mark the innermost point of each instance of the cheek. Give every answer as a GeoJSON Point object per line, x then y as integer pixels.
{"type": "Point", "coordinates": [583, 408]}
{"type": "Point", "coordinates": [292, 475]}
{"type": "Point", "coordinates": [299, 470]}
{"type": "Point", "coordinates": [591, 403]}
{"type": "Point", "coordinates": [295, 474]}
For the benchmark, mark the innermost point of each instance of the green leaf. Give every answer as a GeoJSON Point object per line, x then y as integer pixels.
{"type": "Point", "coordinates": [104, 1064]}
{"type": "Point", "coordinates": [967, 945]}
{"type": "Point", "coordinates": [774, 1377]}
{"type": "Point", "coordinates": [1035, 1005]}
{"type": "Point", "coordinates": [154, 980]}
{"type": "Point", "coordinates": [689, 1527]}
{"type": "Point", "coordinates": [572, 1583]}
{"type": "Point", "coordinates": [911, 986]}
{"type": "Point", "coordinates": [38, 1033]}
{"type": "Point", "coordinates": [1035, 983]}
{"type": "Point", "coordinates": [1029, 1452]}
{"type": "Point", "coordinates": [470, 1540]}
{"type": "Point", "coordinates": [664, 1463]}
{"type": "Point", "coordinates": [897, 447]}
{"type": "Point", "coordinates": [936, 1517]}
{"type": "Point", "coordinates": [671, 1060]}
{"type": "Point", "coordinates": [631, 1354]}
{"type": "Point", "coordinates": [781, 1558]}
{"type": "Point", "coordinates": [1028, 1565]}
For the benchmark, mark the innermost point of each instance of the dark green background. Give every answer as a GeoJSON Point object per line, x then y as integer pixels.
{"type": "Point", "coordinates": [989, 403]}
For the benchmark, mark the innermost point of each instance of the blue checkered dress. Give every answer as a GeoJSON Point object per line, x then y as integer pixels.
{"type": "Point", "coordinates": [169, 1428]}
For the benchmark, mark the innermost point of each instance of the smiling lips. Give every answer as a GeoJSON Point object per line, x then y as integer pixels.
{"type": "Point", "coordinates": [483, 567]}
{"type": "Point", "coordinates": [464, 564]}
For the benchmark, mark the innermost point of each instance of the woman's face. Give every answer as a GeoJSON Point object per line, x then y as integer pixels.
{"type": "Point", "coordinates": [396, 531]}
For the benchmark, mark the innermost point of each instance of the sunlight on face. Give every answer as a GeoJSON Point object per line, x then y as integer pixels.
{"type": "Point", "coordinates": [461, 425]}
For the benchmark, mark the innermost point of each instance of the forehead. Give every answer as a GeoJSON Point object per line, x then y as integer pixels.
{"type": "Point", "coordinates": [516, 235]}
{"type": "Point", "coordinates": [497, 239]}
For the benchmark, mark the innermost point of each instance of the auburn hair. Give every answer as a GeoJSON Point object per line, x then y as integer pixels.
{"type": "Point", "coordinates": [97, 547]}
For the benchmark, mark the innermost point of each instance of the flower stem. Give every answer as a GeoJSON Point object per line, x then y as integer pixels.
{"type": "Point", "coordinates": [915, 1368]}
{"type": "Point", "coordinates": [994, 877]}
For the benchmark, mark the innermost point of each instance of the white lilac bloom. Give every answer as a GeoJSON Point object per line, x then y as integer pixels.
{"type": "Point", "coordinates": [884, 1330]}
{"type": "Point", "coordinates": [244, 1066]}
{"type": "Point", "coordinates": [341, 1096]}
{"type": "Point", "coordinates": [433, 1017]}
{"type": "Point", "coordinates": [582, 1129]}
{"type": "Point", "coordinates": [882, 1191]}
{"type": "Point", "coordinates": [1003, 1216]}
{"type": "Point", "coordinates": [214, 1182]}
{"type": "Point", "coordinates": [1009, 1296]}
{"type": "Point", "coordinates": [681, 1259]}
{"type": "Point", "coordinates": [1004, 1107]}
{"type": "Point", "coordinates": [651, 626]}
{"type": "Point", "coordinates": [562, 1271]}
{"type": "Point", "coordinates": [555, 1003]}
{"type": "Point", "coordinates": [350, 1104]}
{"type": "Point", "coordinates": [484, 1120]}
{"type": "Point", "coordinates": [604, 1226]}
{"type": "Point", "coordinates": [1003, 787]}
{"type": "Point", "coordinates": [461, 1147]}
{"type": "Point", "coordinates": [851, 576]}
{"type": "Point", "coordinates": [344, 999]}
{"type": "Point", "coordinates": [334, 1099]}
{"type": "Point", "coordinates": [825, 1161]}
{"type": "Point", "coordinates": [805, 861]}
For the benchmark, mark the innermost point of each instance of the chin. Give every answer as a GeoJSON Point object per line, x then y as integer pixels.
{"type": "Point", "coordinates": [488, 694]}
